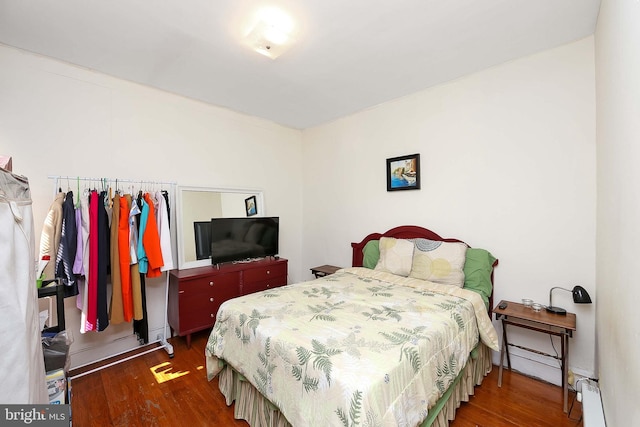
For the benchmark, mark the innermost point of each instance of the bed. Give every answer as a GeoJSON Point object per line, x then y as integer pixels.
{"type": "Point", "coordinates": [394, 340]}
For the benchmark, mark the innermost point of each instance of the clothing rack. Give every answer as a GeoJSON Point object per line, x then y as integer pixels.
{"type": "Point", "coordinates": [103, 181]}
{"type": "Point", "coordinates": [161, 339]}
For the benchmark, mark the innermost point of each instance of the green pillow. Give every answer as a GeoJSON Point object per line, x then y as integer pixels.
{"type": "Point", "coordinates": [477, 272]}
{"type": "Point", "coordinates": [371, 254]}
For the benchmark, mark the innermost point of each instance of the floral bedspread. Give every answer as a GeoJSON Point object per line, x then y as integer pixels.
{"type": "Point", "coordinates": [359, 347]}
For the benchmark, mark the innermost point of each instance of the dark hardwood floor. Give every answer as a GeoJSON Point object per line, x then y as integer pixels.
{"type": "Point", "coordinates": [154, 390]}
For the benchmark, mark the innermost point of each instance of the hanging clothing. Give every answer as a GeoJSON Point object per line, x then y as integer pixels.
{"type": "Point", "coordinates": [151, 241]}
{"type": "Point", "coordinates": [165, 195]}
{"type": "Point", "coordinates": [107, 241]}
{"type": "Point", "coordinates": [134, 220]}
{"type": "Point", "coordinates": [50, 237]}
{"type": "Point", "coordinates": [141, 325]}
{"type": "Point", "coordinates": [83, 281]}
{"type": "Point", "coordinates": [78, 271]}
{"type": "Point", "coordinates": [22, 362]}
{"type": "Point", "coordinates": [92, 279]}
{"type": "Point", "coordinates": [136, 291]}
{"type": "Point", "coordinates": [116, 313]}
{"type": "Point", "coordinates": [108, 204]}
{"type": "Point", "coordinates": [143, 262]}
{"type": "Point", "coordinates": [162, 221]}
{"type": "Point", "coordinates": [67, 248]}
{"type": "Point", "coordinates": [125, 258]}
{"type": "Point", "coordinates": [103, 263]}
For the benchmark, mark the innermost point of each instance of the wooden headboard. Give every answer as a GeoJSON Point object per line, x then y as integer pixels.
{"type": "Point", "coordinates": [407, 232]}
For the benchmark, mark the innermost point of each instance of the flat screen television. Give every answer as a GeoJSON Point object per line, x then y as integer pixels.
{"type": "Point", "coordinates": [237, 239]}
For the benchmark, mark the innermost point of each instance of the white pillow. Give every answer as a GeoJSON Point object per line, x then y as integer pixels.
{"type": "Point", "coordinates": [396, 256]}
{"type": "Point", "coordinates": [439, 262]}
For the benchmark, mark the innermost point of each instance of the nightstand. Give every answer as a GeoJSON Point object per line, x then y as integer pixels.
{"type": "Point", "coordinates": [324, 270]}
{"type": "Point", "coordinates": [518, 315]}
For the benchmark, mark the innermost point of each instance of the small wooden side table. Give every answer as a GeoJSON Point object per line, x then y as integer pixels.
{"type": "Point", "coordinates": [562, 326]}
{"type": "Point", "coordinates": [324, 270]}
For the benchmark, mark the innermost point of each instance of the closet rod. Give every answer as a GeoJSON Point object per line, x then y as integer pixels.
{"type": "Point", "coordinates": [134, 181]}
{"type": "Point", "coordinates": [57, 179]}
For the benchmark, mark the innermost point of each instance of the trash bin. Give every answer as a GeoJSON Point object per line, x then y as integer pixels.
{"type": "Point", "coordinates": [55, 347]}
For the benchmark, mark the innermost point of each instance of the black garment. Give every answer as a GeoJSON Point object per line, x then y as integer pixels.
{"type": "Point", "coordinates": [165, 194]}
{"type": "Point", "coordinates": [104, 261]}
{"type": "Point", "coordinates": [68, 245]}
{"type": "Point", "coordinates": [141, 327]}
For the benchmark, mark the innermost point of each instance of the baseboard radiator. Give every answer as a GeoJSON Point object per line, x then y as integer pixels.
{"type": "Point", "coordinates": [592, 412]}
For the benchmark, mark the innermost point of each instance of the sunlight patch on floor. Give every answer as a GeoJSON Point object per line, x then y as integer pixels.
{"type": "Point", "coordinates": [163, 372]}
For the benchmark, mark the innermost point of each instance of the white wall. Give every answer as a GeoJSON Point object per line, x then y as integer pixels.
{"type": "Point", "coordinates": [508, 164]}
{"type": "Point", "coordinates": [57, 119]}
{"type": "Point", "coordinates": [618, 123]}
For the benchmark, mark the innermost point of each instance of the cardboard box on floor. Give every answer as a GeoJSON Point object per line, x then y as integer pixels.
{"type": "Point", "coordinates": [56, 387]}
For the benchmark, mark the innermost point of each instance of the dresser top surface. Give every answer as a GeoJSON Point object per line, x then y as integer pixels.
{"type": "Point", "coordinates": [226, 268]}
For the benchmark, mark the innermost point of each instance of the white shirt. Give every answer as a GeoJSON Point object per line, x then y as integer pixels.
{"type": "Point", "coordinates": [162, 221]}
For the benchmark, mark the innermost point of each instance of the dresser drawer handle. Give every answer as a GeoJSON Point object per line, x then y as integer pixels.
{"type": "Point", "coordinates": [268, 271]}
{"type": "Point", "coordinates": [211, 283]}
{"type": "Point", "coordinates": [213, 315]}
{"type": "Point", "coordinates": [211, 299]}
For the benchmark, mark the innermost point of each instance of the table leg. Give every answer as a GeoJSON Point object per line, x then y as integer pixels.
{"type": "Point", "coordinates": [565, 370]}
{"type": "Point", "coordinates": [500, 369]}
{"type": "Point", "coordinates": [506, 345]}
{"type": "Point", "coordinates": [503, 348]}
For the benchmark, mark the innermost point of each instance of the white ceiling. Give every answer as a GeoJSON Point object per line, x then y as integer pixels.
{"type": "Point", "coordinates": [349, 54]}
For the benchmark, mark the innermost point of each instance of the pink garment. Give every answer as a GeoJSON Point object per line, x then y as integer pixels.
{"type": "Point", "coordinates": [92, 288]}
{"type": "Point", "coordinates": [82, 280]}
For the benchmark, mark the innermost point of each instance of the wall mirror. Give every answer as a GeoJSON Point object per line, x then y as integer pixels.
{"type": "Point", "coordinates": [195, 208]}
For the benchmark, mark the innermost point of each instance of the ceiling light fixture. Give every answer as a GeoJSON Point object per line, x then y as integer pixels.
{"type": "Point", "coordinates": [271, 35]}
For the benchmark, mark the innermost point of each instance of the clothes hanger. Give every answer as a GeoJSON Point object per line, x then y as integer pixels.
{"type": "Point", "coordinates": [77, 204]}
{"type": "Point", "coordinates": [105, 196]}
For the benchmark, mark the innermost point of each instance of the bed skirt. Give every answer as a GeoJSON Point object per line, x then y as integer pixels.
{"type": "Point", "coordinates": [258, 411]}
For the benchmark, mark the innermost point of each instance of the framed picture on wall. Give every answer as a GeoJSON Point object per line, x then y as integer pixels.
{"type": "Point", "coordinates": [403, 173]}
{"type": "Point", "coordinates": [250, 205]}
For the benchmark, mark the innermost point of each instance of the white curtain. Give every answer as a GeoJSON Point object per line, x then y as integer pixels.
{"type": "Point", "coordinates": [21, 360]}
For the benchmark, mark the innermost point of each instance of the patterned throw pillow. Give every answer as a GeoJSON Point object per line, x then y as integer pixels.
{"type": "Point", "coordinates": [396, 256]}
{"type": "Point", "coordinates": [439, 262]}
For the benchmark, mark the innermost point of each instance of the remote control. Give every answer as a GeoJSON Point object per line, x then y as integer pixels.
{"type": "Point", "coordinates": [502, 306]}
